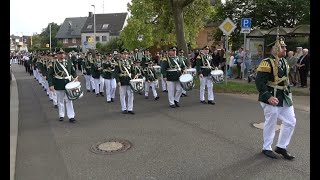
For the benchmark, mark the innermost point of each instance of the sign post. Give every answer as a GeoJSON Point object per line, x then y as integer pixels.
{"type": "Point", "coordinates": [245, 29]}
{"type": "Point", "coordinates": [227, 27]}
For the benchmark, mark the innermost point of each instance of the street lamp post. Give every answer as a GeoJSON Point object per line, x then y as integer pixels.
{"type": "Point", "coordinates": [94, 26]}
{"type": "Point", "coordinates": [50, 37]}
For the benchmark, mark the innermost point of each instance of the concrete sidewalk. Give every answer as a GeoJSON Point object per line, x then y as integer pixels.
{"type": "Point", "coordinates": [14, 111]}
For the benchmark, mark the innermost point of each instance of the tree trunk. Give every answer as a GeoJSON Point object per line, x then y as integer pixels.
{"type": "Point", "coordinates": [178, 21]}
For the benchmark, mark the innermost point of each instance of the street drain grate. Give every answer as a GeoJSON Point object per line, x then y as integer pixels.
{"type": "Point", "coordinates": [111, 146]}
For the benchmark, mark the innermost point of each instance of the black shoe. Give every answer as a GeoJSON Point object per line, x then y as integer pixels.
{"type": "Point", "coordinates": [72, 120]}
{"type": "Point", "coordinates": [124, 112]}
{"type": "Point", "coordinates": [101, 94]}
{"type": "Point", "coordinates": [60, 118]}
{"type": "Point", "coordinates": [183, 95]}
{"type": "Point", "coordinates": [156, 98]}
{"type": "Point", "coordinates": [211, 102]}
{"type": "Point", "coordinates": [88, 90]}
{"type": "Point", "coordinates": [131, 112]}
{"type": "Point", "coordinates": [94, 91]}
{"type": "Point", "coordinates": [172, 106]}
{"type": "Point", "coordinates": [55, 106]}
{"type": "Point", "coordinates": [146, 97]}
{"type": "Point", "coordinates": [270, 154]}
{"type": "Point", "coordinates": [97, 95]}
{"type": "Point", "coordinates": [108, 101]}
{"type": "Point", "coordinates": [140, 93]}
{"type": "Point", "coordinates": [284, 153]}
{"type": "Point", "coordinates": [203, 102]}
{"type": "Point", "coordinates": [112, 99]}
{"type": "Point", "coordinates": [51, 99]}
{"type": "Point", "coordinates": [176, 103]}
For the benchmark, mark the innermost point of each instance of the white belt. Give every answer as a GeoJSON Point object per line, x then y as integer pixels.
{"type": "Point", "coordinates": [206, 67]}
{"type": "Point", "coordinates": [172, 69]}
{"type": "Point", "coordinates": [59, 77]}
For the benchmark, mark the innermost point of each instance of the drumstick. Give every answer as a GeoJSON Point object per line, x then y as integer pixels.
{"type": "Point", "coordinates": [75, 79]}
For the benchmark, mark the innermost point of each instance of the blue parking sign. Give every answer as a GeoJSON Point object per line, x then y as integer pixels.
{"type": "Point", "coordinates": [85, 43]}
{"type": "Point", "coordinates": [246, 23]}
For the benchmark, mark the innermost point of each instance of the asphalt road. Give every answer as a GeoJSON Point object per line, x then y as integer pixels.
{"type": "Point", "coordinates": [194, 141]}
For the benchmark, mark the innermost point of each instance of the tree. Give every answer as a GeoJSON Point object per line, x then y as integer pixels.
{"type": "Point", "coordinates": [45, 35]}
{"type": "Point", "coordinates": [264, 13]}
{"type": "Point", "coordinates": [165, 22]}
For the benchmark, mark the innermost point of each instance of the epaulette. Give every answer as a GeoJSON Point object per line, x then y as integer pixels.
{"type": "Point", "coordinates": [198, 57]}
{"type": "Point", "coordinates": [264, 66]}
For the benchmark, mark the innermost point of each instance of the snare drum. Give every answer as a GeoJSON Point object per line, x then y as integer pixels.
{"type": "Point", "coordinates": [137, 85]}
{"type": "Point", "coordinates": [73, 90]}
{"type": "Point", "coordinates": [192, 71]}
{"type": "Point", "coordinates": [157, 69]}
{"type": "Point", "coordinates": [186, 81]}
{"type": "Point", "coordinates": [217, 76]}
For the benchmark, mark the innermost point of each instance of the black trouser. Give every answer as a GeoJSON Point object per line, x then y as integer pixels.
{"type": "Point", "coordinates": [303, 77]}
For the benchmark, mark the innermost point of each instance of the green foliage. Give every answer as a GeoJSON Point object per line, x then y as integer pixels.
{"type": "Point", "coordinates": [114, 43]}
{"type": "Point", "coordinates": [45, 35]}
{"type": "Point", "coordinates": [154, 21]}
{"type": "Point", "coordinates": [67, 50]}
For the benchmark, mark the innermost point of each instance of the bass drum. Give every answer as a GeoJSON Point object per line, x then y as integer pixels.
{"type": "Point", "coordinates": [137, 85]}
{"type": "Point", "coordinates": [73, 90]}
{"type": "Point", "coordinates": [186, 81]}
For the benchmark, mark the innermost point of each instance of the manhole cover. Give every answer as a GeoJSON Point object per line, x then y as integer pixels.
{"type": "Point", "coordinates": [111, 146]}
{"type": "Point", "coordinates": [261, 125]}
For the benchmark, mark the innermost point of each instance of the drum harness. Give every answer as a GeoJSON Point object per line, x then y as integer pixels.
{"type": "Point", "coordinates": [64, 71]}
{"type": "Point", "coordinates": [125, 72]}
{"type": "Point", "coordinates": [174, 68]}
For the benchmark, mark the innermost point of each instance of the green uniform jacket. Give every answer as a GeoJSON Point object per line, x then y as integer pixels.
{"type": "Point", "coordinates": [202, 60]}
{"type": "Point", "coordinates": [151, 76]}
{"type": "Point", "coordinates": [86, 64]}
{"type": "Point", "coordinates": [145, 60]}
{"type": "Point", "coordinates": [265, 74]}
{"type": "Point", "coordinates": [95, 69]}
{"type": "Point", "coordinates": [136, 70]}
{"type": "Point", "coordinates": [108, 70]}
{"type": "Point", "coordinates": [168, 64]}
{"type": "Point", "coordinates": [121, 75]}
{"type": "Point", "coordinates": [44, 69]}
{"type": "Point", "coordinates": [55, 67]}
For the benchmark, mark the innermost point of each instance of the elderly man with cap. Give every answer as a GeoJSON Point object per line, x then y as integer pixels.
{"type": "Point", "coordinates": [204, 65]}
{"type": "Point", "coordinates": [61, 72]}
{"type": "Point", "coordinates": [123, 77]}
{"type": "Point", "coordinates": [276, 100]}
{"type": "Point", "coordinates": [172, 68]}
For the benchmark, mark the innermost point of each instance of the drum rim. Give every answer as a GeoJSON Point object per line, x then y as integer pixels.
{"type": "Point", "coordinates": [136, 80]}
{"type": "Point", "coordinates": [71, 83]}
{"type": "Point", "coordinates": [186, 75]}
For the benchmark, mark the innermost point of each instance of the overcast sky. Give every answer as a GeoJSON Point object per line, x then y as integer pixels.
{"type": "Point", "coordinates": [31, 16]}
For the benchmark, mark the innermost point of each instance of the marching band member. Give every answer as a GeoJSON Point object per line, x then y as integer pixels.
{"type": "Point", "coordinates": [123, 79]}
{"type": "Point", "coordinates": [172, 69]}
{"type": "Point", "coordinates": [184, 60]}
{"type": "Point", "coordinates": [60, 73]}
{"type": "Point", "coordinates": [150, 75]}
{"type": "Point", "coordinates": [164, 57]}
{"type": "Point", "coordinates": [146, 58]}
{"type": "Point", "coordinates": [87, 63]}
{"type": "Point", "coordinates": [108, 74]}
{"type": "Point", "coordinates": [204, 67]}
{"type": "Point", "coordinates": [96, 68]}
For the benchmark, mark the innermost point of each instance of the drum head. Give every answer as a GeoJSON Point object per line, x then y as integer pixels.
{"type": "Point", "coordinates": [72, 85]}
{"type": "Point", "coordinates": [216, 72]}
{"type": "Point", "coordinates": [186, 78]}
{"type": "Point", "coordinates": [136, 80]}
{"type": "Point", "coordinates": [157, 67]}
{"type": "Point", "coordinates": [191, 70]}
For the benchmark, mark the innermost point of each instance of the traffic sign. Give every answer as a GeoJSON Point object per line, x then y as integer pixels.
{"type": "Point", "coordinates": [245, 25]}
{"type": "Point", "coordinates": [227, 26]}
{"type": "Point", "coordinates": [85, 43]}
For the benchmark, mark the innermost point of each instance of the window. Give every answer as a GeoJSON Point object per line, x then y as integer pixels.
{"type": "Point", "coordinates": [97, 38]}
{"type": "Point", "coordinates": [105, 26]}
{"type": "Point", "coordinates": [65, 41]}
{"type": "Point", "coordinates": [87, 38]}
{"type": "Point", "coordinates": [74, 41]}
{"type": "Point", "coordinates": [89, 26]}
{"type": "Point", "coordinates": [104, 38]}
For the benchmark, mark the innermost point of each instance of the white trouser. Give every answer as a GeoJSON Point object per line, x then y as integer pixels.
{"type": "Point", "coordinates": [92, 82]}
{"type": "Point", "coordinates": [38, 75]}
{"type": "Point", "coordinates": [46, 86]}
{"type": "Point", "coordinates": [96, 83]}
{"type": "Point", "coordinates": [34, 73]}
{"type": "Point", "coordinates": [123, 90]}
{"type": "Point", "coordinates": [87, 78]}
{"type": "Point", "coordinates": [163, 84]}
{"type": "Point", "coordinates": [101, 84]}
{"type": "Point", "coordinates": [206, 81]}
{"type": "Point", "coordinates": [53, 97]}
{"type": "Point", "coordinates": [62, 97]}
{"type": "Point", "coordinates": [272, 114]}
{"type": "Point", "coordinates": [111, 86]}
{"type": "Point", "coordinates": [184, 91]}
{"type": "Point", "coordinates": [174, 91]}
{"type": "Point", "coordinates": [153, 86]}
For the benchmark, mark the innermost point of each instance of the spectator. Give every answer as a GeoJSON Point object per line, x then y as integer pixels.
{"type": "Point", "coordinates": [292, 61]}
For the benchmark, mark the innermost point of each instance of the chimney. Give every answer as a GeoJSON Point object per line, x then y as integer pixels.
{"type": "Point", "coordinates": [90, 14]}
